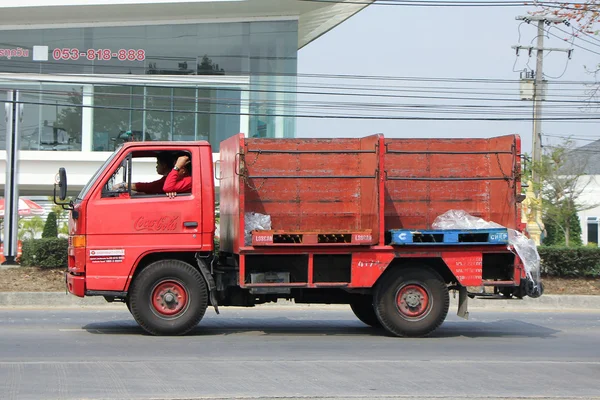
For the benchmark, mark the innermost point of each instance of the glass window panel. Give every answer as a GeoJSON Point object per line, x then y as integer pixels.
{"type": "Point", "coordinates": [173, 49]}
{"type": "Point", "coordinates": [3, 94]}
{"type": "Point", "coordinates": [222, 49]}
{"type": "Point", "coordinates": [158, 113]}
{"type": "Point", "coordinates": [225, 117]}
{"type": "Point", "coordinates": [127, 46]}
{"type": "Point", "coordinates": [59, 123]}
{"type": "Point", "coordinates": [273, 66]}
{"type": "Point", "coordinates": [31, 136]}
{"type": "Point", "coordinates": [30, 95]}
{"type": "Point", "coordinates": [118, 116]}
{"type": "Point", "coordinates": [592, 235]}
{"type": "Point", "coordinates": [204, 113]}
{"type": "Point", "coordinates": [184, 118]}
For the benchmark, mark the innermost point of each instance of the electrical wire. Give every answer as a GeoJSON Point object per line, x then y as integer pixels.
{"type": "Point", "coordinates": [478, 99]}
{"type": "Point", "coordinates": [449, 3]}
{"type": "Point", "coordinates": [576, 45]}
{"type": "Point", "coordinates": [577, 37]}
{"type": "Point", "coordinates": [568, 58]}
{"type": "Point", "coordinates": [430, 3]}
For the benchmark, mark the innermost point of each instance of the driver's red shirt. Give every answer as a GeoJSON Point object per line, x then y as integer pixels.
{"type": "Point", "coordinates": [155, 187]}
{"type": "Point", "coordinates": [176, 183]}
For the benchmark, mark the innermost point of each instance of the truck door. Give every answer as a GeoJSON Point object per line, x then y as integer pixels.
{"type": "Point", "coordinates": [124, 224]}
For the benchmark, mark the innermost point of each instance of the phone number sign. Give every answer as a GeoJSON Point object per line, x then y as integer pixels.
{"type": "Point", "coordinates": [99, 54]}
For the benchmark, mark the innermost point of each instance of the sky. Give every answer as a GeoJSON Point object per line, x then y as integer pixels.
{"type": "Point", "coordinates": [450, 42]}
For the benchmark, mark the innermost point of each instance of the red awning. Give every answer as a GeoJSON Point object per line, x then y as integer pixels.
{"type": "Point", "coordinates": [26, 208]}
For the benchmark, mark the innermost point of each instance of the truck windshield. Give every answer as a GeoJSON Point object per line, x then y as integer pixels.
{"type": "Point", "coordinates": [88, 186]}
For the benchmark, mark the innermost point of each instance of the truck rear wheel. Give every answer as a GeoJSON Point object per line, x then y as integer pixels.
{"type": "Point", "coordinates": [168, 297]}
{"type": "Point", "coordinates": [411, 301]}
{"type": "Point", "coordinates": [364, 311]}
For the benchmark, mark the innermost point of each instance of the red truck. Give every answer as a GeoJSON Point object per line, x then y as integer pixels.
{"type": "Point", "coordinates": [350, 223]}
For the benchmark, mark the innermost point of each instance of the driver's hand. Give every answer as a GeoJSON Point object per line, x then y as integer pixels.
{"type": "Point", "coordinates": [172, 195]}
{"type": "Point", "coordinates": [119, 186]}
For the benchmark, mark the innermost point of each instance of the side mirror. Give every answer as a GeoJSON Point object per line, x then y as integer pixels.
{"type": "Point", "coordinates": [62, 184]}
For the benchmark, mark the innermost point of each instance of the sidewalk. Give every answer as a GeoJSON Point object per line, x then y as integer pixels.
{"type": "Point", "coordinates": [546, 302]}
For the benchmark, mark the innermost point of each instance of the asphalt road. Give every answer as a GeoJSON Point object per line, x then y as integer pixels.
{"type": "Point", "coordinates": [296, 352]}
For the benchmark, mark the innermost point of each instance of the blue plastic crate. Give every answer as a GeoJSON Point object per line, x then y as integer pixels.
{"type": "Point", "coordinates": [449, 237]}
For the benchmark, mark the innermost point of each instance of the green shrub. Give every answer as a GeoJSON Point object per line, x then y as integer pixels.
{"type": "Point", "coordinates": [556, 237]}
{"type": "Point", "coordinates": [51, 227]}
{"type": "Point", "coordinates": [45, 253]}
{"type": "Point", "coordinates": [570, 261]}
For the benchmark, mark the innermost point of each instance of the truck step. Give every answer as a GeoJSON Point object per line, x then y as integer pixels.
{"type": "Point", "coordinates": [449, 237]}
{"type": "Point", "coordinates": [489, 296]}
{"type": "Point", "coordinates": [290, 238]}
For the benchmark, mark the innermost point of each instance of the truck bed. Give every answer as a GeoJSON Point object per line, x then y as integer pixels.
{"type": "Point", "coordinates": [355, 192]}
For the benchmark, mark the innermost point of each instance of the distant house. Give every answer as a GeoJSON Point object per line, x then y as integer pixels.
{"type": "Point", "coordinates": [590, 155]}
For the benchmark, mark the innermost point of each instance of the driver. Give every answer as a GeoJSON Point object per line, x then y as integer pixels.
{"type": "Point", "coordinates": [179, 179]}
{"type": "Point", "coordinates": [164, 164]}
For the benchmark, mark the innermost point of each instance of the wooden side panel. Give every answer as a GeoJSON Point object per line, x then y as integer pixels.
{"type": "Point", "coordinates": [427, 177]}
{"type": "Point", "coordinates": [313, 185]}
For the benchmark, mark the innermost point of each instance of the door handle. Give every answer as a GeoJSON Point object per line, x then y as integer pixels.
{"type": "Point", "coordinates": [190, 224]}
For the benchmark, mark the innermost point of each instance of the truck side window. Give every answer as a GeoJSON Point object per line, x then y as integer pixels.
{"type": "Point", "coordinates": [150, 173]}
{"type": "Point", "coordinates": [119, 181]}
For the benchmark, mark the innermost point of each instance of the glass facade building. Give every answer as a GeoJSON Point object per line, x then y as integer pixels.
{"type": "Point", "coordinates": [89, 89]}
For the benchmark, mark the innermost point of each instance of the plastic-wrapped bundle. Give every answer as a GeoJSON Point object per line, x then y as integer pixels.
{"type": "Point", "coordinates": [255, 222]}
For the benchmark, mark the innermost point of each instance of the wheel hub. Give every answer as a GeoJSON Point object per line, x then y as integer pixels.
{"type": "Point", "coordinates": [169, 298]}
{"type": "Point", "coordinates": [412, 301]}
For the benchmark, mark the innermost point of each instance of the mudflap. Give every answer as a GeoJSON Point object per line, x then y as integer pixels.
{"type": "Point", "coordinates": [463, 301]}
{"type": "Point", "coordinates": [212, 287]}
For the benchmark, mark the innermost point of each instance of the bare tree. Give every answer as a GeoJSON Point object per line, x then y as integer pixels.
{"type": "Point", "coordinates": [584, 17]}
{"type": "Point", "coordinates": [583, 14]}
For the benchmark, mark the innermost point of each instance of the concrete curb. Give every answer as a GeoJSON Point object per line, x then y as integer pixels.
{"type": "Point", "coordinates": [546, 302]}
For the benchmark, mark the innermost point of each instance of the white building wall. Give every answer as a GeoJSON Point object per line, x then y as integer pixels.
{"type": "Point", "coordinates": [589, 197]}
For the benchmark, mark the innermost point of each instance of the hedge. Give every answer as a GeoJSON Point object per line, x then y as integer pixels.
{"type": "Point", "coordinates": [45, 253]}
{"type": "Point", "coordinates": [580, 262]}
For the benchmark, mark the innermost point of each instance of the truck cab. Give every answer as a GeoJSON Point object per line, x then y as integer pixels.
{"type": "Point", "coordinates": [114, 229]}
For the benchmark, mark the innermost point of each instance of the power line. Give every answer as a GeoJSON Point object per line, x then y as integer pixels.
{"type": "Point", "coordinates": [573, 44]}
{"type": "Point", "coordinates": [577, 37]}
{"type": "Point", "coordinates": [574, 138]}
{"type": "Point", "coordinates": [432, 3]}
{"type": "Point", "coordinates": [368, 95]}
{"type": "Point", "coordinates": [360, 91]}
{"type": "Point", "coordinates": [258, 74]}
{"type": "Point", "coordinates": [321, 116]}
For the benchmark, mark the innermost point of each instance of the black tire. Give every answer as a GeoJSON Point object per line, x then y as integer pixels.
{"type": "Point", "coordinates": [168, 297]}
{"type": "Point", "coordinates": [364, 311]}
{"type": "Point", "coordinates": [411, 301]}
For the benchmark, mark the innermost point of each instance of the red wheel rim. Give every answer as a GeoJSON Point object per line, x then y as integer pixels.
{"type": "Point", "coordinates": [169, 298]}
{"type": "Point", "coordinates": [412, 301]}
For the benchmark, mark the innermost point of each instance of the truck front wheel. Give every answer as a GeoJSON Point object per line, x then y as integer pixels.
{"type": "Point", "coordinates": [169, 297]}
{"type": "Point", "coordinates": [411, 301]}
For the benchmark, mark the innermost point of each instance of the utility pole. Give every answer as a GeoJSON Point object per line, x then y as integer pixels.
{"type": "Point", "coordinates": [14, 117]}
{"type": "Point", "coordinates": [537, 103]}
{"type": "Point", "coordinates": [538, 87]}
{"type": "Point", "coordinates": [533, 197]}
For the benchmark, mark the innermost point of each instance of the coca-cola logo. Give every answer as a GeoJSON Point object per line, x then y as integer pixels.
{"type": "Point", "coordinates": [161, 224]}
